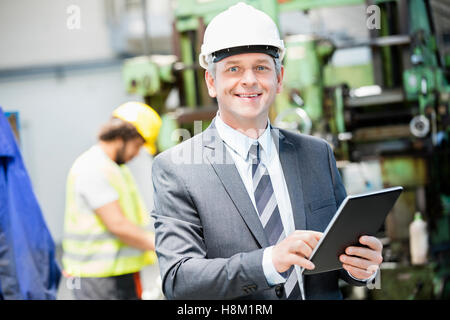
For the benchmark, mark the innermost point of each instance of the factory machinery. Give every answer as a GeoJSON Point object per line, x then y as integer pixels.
{"type": "Point", "coordinates": [391, 115]}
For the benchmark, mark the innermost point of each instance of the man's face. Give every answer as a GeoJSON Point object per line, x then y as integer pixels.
{"type": "Point", "coordinates": [245, 87]}
{"type": "Point", "coordinates": [128, 150]}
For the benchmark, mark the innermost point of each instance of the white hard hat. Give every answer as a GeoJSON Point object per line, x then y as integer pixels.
{"type": "Point", "coordinates": [241, 28]}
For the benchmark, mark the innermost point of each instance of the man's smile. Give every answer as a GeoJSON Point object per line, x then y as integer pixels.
{"type": "Point", "coordinates": [248, 96]}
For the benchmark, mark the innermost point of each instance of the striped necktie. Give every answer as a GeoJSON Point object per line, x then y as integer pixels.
{"type": "Point", "coordinates": [269, 215]}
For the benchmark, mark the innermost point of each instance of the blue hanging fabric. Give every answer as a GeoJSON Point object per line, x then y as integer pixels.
{"type": "Point", "coordinates": [28, 268]}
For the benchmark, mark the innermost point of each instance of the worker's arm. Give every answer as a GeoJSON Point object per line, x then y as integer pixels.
{"type": "Point", "coordinates": [129, 233]}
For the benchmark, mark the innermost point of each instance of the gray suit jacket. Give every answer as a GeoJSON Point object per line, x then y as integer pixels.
{"type": "Point", "coordinates": [209, 239]}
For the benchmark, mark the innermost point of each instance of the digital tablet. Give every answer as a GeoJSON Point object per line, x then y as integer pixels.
{"type": "Point", "coordinates": [358, 215]}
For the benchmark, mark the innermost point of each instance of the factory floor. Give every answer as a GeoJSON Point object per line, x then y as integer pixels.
{"type": "Point", "coordinates": [149, 278]}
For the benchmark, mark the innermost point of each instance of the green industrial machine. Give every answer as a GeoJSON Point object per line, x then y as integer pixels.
{"type": "Point", "coordinates": [395, 110]}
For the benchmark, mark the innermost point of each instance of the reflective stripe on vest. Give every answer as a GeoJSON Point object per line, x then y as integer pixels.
{"type": "Point", "coordinates": [90, 250]}
{"type": "Point", "coordinates": [122, 252]}
{"type": "Point", "coordinates": [95, 237]}
{"type": "Point", "coordinates": [104, 268]}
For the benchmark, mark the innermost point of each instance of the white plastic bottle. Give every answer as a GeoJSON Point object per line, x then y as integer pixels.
{"type": "Point", "coordinates": [418, 240]}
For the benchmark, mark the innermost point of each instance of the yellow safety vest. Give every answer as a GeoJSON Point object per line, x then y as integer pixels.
{"type": "Point", "coordinates": [90, 250]}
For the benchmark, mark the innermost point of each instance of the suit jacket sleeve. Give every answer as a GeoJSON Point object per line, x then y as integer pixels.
{"type": "Point", "coordinates": [186, 271]}
{"type": "Point", "coordinates": [340, 194]}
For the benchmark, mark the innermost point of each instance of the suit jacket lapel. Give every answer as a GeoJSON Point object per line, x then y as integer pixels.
{"type": "Point", "coordinates": [288, 155]}
{"type": "Point", "coordinates": [221, 161]}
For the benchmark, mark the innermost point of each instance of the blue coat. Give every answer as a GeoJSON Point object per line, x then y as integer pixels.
{"type": "Point", "coordinates": [28, 269]}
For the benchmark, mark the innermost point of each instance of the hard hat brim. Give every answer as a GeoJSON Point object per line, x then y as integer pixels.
{"type": "Point", "coordinates": [225, 53]}
{"type": "Point", "coordinates": [204, 64]}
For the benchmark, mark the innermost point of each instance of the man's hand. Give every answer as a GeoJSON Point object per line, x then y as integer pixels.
{"type": "Point", "coordinates": [360, 262]}
{"type": "Point", "coordinates": [295, 249]}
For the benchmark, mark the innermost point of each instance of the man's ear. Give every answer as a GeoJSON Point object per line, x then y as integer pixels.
{"type": "Point", "coordinates": [280, 80]}
{"type": "Point", "coordinates": [210, 83]}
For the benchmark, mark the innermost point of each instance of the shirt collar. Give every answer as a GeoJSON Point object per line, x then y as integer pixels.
{"type": "Point", "coordinates": [239, 142]}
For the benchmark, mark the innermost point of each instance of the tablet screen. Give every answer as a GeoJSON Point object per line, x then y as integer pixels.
{"type": "Point", "coordinates": [358, 215]}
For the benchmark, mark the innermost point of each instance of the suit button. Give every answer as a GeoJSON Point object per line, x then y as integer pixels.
{"type": "Point", "coordinates": [279, 291]}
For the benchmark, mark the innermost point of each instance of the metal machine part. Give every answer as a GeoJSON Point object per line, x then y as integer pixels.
{"type": "Point", "coordinates": [419, 126]}
{"type": "Point", "coordinates": [294, 119]}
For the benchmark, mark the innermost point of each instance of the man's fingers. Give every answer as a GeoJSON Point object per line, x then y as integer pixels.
{"type": "Point", "coordinates": [357, 272]}
{"type": "Point", "coordinates": [371, 242]}
{"type": "Point", "coordinates": [311, 240]}
{"type": "Point", "coordinates": [295, 249]}
{"type": "Point", "coordinates": [316, 234]}
{"type": "Point", "coordinates": [310, 237]}
{"type": "Point", "coordinates": [365, 253]}
{"type": "Point", "coordinates": [300, 261]}
{"type": "Point", "coordinates": [356, 262]}
{"type": "Point", "coordinates": [301, 247]}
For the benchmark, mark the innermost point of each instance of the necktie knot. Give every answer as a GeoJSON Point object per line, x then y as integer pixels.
{"type": "Point", "coordinates": [254, 153]}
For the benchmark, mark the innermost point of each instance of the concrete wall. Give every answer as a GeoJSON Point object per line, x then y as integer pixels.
{"type": "Point", "coordinates": [35, 32]}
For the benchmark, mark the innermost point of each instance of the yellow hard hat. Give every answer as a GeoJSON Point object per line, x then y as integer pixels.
{"type": "Point", "coordinates": [146, 121]}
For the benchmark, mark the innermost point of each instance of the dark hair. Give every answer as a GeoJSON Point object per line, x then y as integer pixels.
{"type": "Point", "coordinates": [116, 128]}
